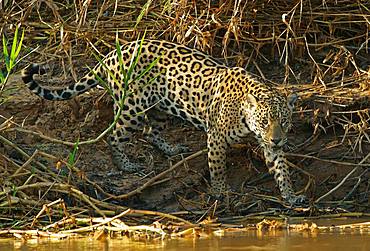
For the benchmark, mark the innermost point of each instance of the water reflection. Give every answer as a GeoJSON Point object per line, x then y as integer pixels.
{"type": "Point", "coordinates": [250, 240]}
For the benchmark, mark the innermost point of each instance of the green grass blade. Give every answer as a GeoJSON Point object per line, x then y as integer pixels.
{"type": "Point", "coordinates": [19, 45]}
{"type": "Point", "coordinates": [6, 54]}
{"type": "Point", "coordinates": [151, 65]}
{"type": "Point", "coordinates": [142, 12]}
{"type": "Point", "coordinates": [73, 154]}
{"type": "Point", "coordinates": [2, 77]}
{"type": "Point", "coordinates": [111, 74]}
{"type": "Point", "coordinates": [135, 58]}
{"type": "Point", "coordinates": [14, 47]}
{"type": "Point", "coordinates": [120, 59]}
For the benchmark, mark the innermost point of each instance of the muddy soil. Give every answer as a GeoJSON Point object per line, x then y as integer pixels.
{"type": "Point", "coordinates": [86, 116]}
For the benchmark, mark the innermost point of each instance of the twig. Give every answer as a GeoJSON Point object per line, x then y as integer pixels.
{"type": "Point", "coordinates": [152, 180]}
{"type": "Point", "coordinates": [18, 129]}
{"type": "Point", "coordinates": [35, 153]}
{"type": "Point", "coordinates": [34, 233]}
{"type": "Point", "coordinates": [24, 154]}
{"type": "Point", "coordinates": [327, 160]}
{"type": "Point", "coordinates": [6, 123]}
{"type": "Point", "coordinates": [93, 227]}
{"type": "Point", "coordinates": [46, 207]}
{"type": "Point", "coordinates": [344, 179]}
{"type": "Point", "coordinates": [169, 216]}
{"type": "Point", "coordinates": [88, 200]}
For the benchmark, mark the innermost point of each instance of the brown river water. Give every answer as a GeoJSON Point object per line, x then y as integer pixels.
{"type": "Point", "coordinates": [251, 240]}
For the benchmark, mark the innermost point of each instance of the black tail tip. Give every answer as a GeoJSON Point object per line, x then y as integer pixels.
{"type": "Point", "coordinates": [27, 74]}
{"type": "Point", "coordinates": [33, 69]}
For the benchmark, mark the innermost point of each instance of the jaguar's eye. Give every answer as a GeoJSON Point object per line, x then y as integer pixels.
{"type": "Point", "coordinates": [264, 122]}
{"type": "Point", "coordinates": [285, 125]}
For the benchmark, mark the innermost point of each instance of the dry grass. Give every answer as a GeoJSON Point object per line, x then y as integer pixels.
{"type": "Point", "coordinates": [326, 40]}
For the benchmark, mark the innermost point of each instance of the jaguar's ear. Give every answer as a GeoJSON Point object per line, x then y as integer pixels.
{"type": "Point", "coordinates": [251, 100]}
{"type": "Point", "coordinates": [291, 99]}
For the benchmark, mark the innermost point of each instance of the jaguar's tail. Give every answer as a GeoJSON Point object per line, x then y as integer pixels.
{"type": "Point", "coordinates": [68, 92]}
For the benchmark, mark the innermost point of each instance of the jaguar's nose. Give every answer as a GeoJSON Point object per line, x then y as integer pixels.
{"type": "Point", "coordinates": [276, 141]}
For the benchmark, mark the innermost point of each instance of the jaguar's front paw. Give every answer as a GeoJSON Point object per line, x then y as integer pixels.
{"type": "Point", "coordinates": [296, 200]}
{"type": "Point", "coordinates": [177, 149]}
{"type": "Point", "coordinates": [219, 192]}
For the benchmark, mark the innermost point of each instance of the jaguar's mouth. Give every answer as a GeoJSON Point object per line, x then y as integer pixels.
{"type": "Point", "coordinates": [276, 147]}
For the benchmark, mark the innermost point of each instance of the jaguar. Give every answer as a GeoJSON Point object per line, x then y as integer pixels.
{"type": "Point", "coordinates": [228, 103]}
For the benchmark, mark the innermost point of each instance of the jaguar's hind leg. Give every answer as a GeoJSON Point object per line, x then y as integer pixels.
{"type": "Point", "coordinates": [125, 126]}
{"type": "Point", "coordinates": [157, 121]}
{"type": "Point", "coordinates": [158, 141]}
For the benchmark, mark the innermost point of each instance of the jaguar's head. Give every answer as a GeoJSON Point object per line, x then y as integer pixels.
{"type": "Point", "coordinates": [270, 117]}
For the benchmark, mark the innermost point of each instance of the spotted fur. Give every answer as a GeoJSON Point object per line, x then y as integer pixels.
{"type": "Point", "coordinates": [228, 103]}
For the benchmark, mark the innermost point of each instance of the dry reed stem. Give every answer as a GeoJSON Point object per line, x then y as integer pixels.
{"type": "Point", "coordinates": [327, 160]}
{"type": "Point", "coordinates": [95, 226]}
{"type": "Point", "coordinates": [45, 208]}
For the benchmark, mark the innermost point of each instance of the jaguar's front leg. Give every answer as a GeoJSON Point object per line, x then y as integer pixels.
{"type": "Point", "coordinates": [278, 166]}
{"type": "Point", "coordinates": [217, 162]}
